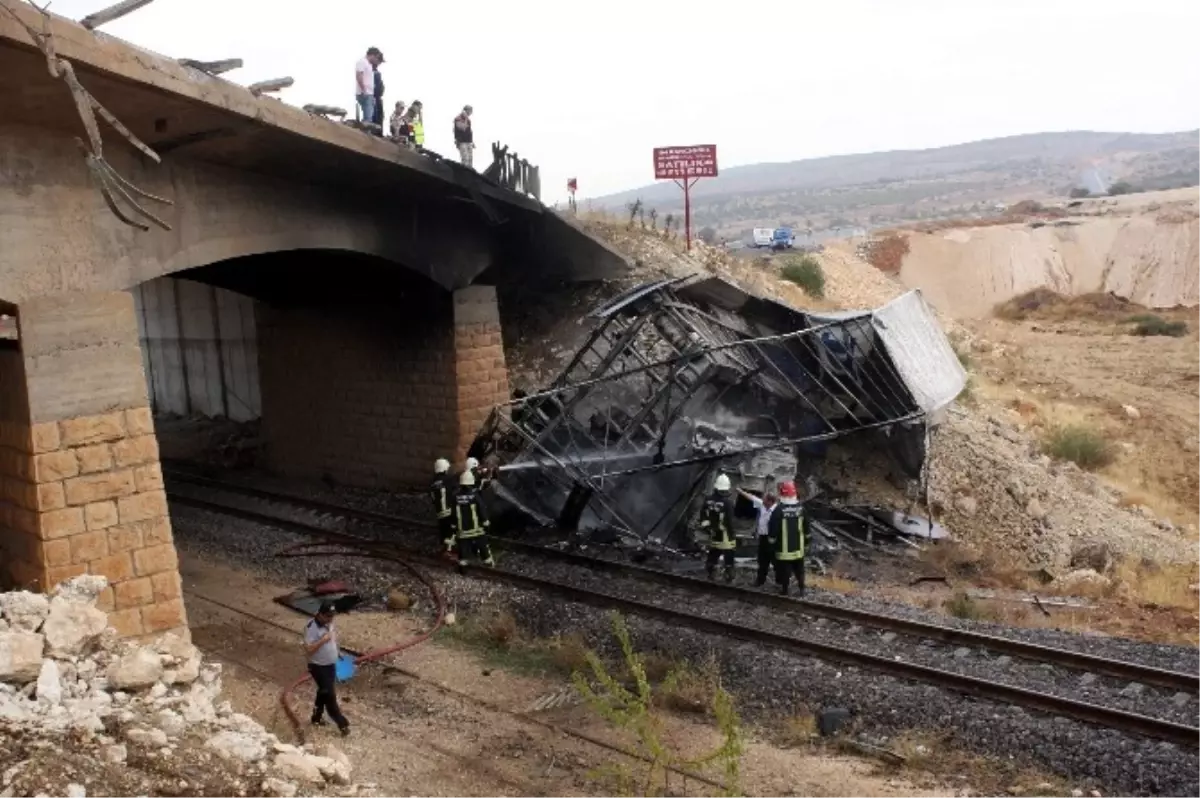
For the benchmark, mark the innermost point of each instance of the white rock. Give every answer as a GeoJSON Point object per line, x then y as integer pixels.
{"type": "Point", "coordinates": [278, 788]}
{"type": "Point", "coordinates": [170, 722]}
{"type": "Point", "coordinates": [966, 505]}
{"type": "Point", "coordinates": [159, 689]}
{"type": "Point", "coordinates": [1035, 510]}
{"type": "Point", "coordinates": [24, 610]}
{"type": "Point", "coordinates": [20, 656]}
{"type": "Point", "coordinates": [138, 669]}
{"type": "Point", "coordinates": [186, 673]}
{"type": "Point", "coordinates": [299, 767]}
{"type": "Point", "coordinates": [172, 645]}
{"type": "Point", "coordinates": [150, 738]}
{"type": "Point", "coordinates": [49, 688]}
{"type": "Point", "coordinates": [339, 769]}
{"type": "Point", "coordinates": [72, 627]}
{"type": "Point", "coordinates": [237, 745]}
{"type": "Point", "coordinates": [116, 753]}
{"type": "Point", "coordinates": [1131, 411]}
{"type": "Point", "coordinates": [76, 791]}
{"type": "Point", "coordinates": [82, 589]}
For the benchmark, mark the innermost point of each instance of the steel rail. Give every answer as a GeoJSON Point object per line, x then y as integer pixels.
{"type": "Point", "coordinates": [1129, 722]}
{"type": "Point", "coordinates": [1101, 666]}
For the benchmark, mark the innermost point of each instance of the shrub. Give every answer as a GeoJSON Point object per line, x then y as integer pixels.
{"type": "Point", "coordinates": [807, 273]}
{"type": "Point", "coordinates": [1149, 324]}
{"type": "Point", "coordinates": [960, 605]}
{"type": "Point", "coordinates": [1119, 188]}
{"type": "Point", "coordinates": [1080, 193]}
{"type": "Point", "coordinates": [1083, 446]}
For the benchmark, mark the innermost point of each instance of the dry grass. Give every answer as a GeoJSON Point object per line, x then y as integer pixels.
{"type": "Point", "coordinates": [501, 629]}
{"type": "Point", "coordinates": [688, 688]}
{"type": "Point", "coordinates": [961, 605]}
{"type": "Point", "coordinates": [569, 653]}
{"type": "Point", "coordinates": [926, 753]}
{"type": "Point", "coordinates": [1084, 446]}
{"type": "Point", "coordinates": [797, 731]}
{"type": "Point", "coordinates": [833, 581]}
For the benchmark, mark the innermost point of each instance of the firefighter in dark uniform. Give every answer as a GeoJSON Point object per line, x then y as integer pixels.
{"type": "Point", "coordinates": [442, 493]}
{"type": "Point", "coordinates": [482, 475]}
{"type": "Point", "coordinates": [717, 518]}
{"type": "Point", "coordinates": [787, 533]}
{"type": "Point", "coordinates": [471, 523]}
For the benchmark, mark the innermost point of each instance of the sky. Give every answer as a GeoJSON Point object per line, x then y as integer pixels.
{"type": "Point", "coordinates": [587, 90]}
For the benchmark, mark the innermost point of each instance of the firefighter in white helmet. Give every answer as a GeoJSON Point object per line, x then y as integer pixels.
{"type": "Point", "coordinates": [482, 475]}
{"type": "Point", "coordinates": [442, 493]}
{"type": "Point", "coordinates": [717, 518]}
{"type": "Point", "coordinates": [471, 522]}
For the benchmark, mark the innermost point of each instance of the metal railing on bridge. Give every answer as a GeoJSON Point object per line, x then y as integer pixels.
{"type": "Point", "coordinates": [513, 172]}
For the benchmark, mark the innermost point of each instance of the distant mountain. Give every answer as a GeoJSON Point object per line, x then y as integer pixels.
{"type": "Point", "coordinates": [880, 188]}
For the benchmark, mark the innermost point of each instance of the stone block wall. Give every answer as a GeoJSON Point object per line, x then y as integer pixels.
{"type": "Point", "coordinates": [481, 376]}
{"type": "Point", "coordinates": [372, 396]}
{"type": "Point", "coordinates": [82, 487]}
{"type": "Point", "coordinates": [364, 395]}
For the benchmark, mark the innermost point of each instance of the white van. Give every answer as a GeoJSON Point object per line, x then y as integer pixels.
{"type": "Point", "coordinates": [763, 236]}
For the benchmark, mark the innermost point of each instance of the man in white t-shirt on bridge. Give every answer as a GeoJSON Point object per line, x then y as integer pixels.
{"type": "Point", "coordinates": [364, 83]}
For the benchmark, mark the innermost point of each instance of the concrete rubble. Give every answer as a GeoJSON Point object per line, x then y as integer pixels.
{"type": "Point", "coordinates": [64, 674]}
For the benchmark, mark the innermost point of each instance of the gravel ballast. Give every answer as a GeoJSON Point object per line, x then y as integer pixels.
{"type": "Point", "coordinates": [767, 683]}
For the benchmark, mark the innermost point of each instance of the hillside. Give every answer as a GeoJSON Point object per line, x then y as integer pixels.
{"type": "Point", "coordinates": [883, 188]}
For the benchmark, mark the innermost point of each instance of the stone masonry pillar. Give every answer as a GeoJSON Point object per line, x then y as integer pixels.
{"type": "Point", "coordinates": [481, 376]}
{"type": "Point", "coordinates": [82, 483]}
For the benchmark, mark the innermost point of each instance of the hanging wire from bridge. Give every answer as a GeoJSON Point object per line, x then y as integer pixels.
{"type": "Point", "coordinates": [119, 193]}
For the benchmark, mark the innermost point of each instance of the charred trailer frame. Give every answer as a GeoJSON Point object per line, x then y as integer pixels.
{"type": "Point", "coordinates": [682, 378]}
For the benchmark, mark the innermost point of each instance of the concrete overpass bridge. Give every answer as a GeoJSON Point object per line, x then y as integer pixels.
{"type": "Point", "coordinates": [371, 273]}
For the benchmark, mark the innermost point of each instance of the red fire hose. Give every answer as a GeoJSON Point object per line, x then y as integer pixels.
{"type": "Point", "coordinates": [322, 549]}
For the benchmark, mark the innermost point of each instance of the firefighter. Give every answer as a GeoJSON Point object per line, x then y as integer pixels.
{"type": "Point", "coordinates": [717, 518]}
{"type": "Point", "coordinates": [787, 531]}
{"type": "Point", "coordinates": [440, 492]}
{"type": "Point", "coordinates": [471, 523]}
{"type": "Point", "coordinates": [482, 475]}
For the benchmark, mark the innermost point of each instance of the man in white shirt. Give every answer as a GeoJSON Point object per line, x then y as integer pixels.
{"type": "Point", "coordinates": [364, 82]}
{"type": "Point", "coordinates": [764, 506]}
{"type": "Point", "coordinates": [320, 644]}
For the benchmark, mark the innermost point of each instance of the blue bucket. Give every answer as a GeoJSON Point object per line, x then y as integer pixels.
{"type": "Point", "coordinates": [344, 668]}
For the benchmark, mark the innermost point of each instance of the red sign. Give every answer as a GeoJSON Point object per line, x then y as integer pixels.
{"type": "Point", "coordinates": [572, 185]}
{"type": "Point", "coordinates": [684, 162]}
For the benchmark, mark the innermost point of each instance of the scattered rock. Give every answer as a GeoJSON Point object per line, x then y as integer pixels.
{"type": "Point", "coordinates": [116, 754]}
{"type": "Point", "coordinates": [1035, 510]}
{"type": "Point", "coordinates": [962, 653]}
{"type": "Point", "coordinates": [20, 656]}
{"type": "Point", "coordinates": [76, 791]}
{"type": "Point", "coordinates": [24, 610]}
{"type": "Point", "coordinates": [1083, 577]}
{"type": "Point", "coordinates": [967, 505]}
{"type": "Point", "coordinates": [1133, 689]}
{"type": "Point", "coordinates": [81, 589]}
{"type": "Point", "coordinates": [339, 768]}
{"type": "Point", "coordinates": [49, 687]}
{"type": "Point", "coordinates": [1093, 554]}
{"type": "Point", "coordinates": [1087, 679]}
{"type": "Point", "coordinates": [72, 626]}
{"type": "Point", "coordinates": [136, 670]}
{"type": "Point", "coordinates": [298, 767]}
{"type": "Point", "coordinates": [238, 745]}
{"type": "Point", "coordinates": [147, 738]}
{"type": "Point", "coordinates": [278, 788]}
{"type": "Point", "coordinates": [170, 722]}
{"type": "Point", "coordinates": [1131, 411]}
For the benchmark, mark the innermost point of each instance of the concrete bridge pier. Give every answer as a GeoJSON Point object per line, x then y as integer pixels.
{"type": "Point", "coordinates": [82, 484]}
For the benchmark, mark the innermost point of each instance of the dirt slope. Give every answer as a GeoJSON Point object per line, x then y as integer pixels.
{"type": "Point", "coordinates": [1144, 248]}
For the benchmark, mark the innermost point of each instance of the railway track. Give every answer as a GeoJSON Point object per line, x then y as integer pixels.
{"type": "Point", "coordinates": [1120, 691]}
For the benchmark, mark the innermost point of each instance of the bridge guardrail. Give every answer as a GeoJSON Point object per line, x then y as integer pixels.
{"type": "Point", "coordinates": [513, 172]}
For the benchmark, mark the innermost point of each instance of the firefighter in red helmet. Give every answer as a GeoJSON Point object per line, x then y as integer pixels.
{"type": "Point", "coordinates": [787, 532]}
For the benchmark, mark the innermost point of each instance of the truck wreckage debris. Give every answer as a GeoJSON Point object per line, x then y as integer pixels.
{"type": "Point", "coordinates": [683, 379]}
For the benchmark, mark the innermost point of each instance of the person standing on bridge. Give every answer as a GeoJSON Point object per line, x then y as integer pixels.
{"type": "Point", "coordinates": [464, 138]}
{"type": "Point", "coordinates": [787, 531]}
{"type": "Point", "coordinates": [717, 519]}
{"type": "Point", "coordinates": [364, 83]}
{"type": "Point", "coordinates": [320, 644]}
{"type": "Point", "coordinates": [471, 523]}
{"type": "Point", "coordinates": [397, 124]}
{"type": "Point", "coordinates": [378, 88]}
{"type": "Point", "coordinates": [442, 500]}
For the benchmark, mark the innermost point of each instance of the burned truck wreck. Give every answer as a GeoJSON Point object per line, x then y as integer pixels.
{"type": "Point", "coordinates": [683, 379]}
